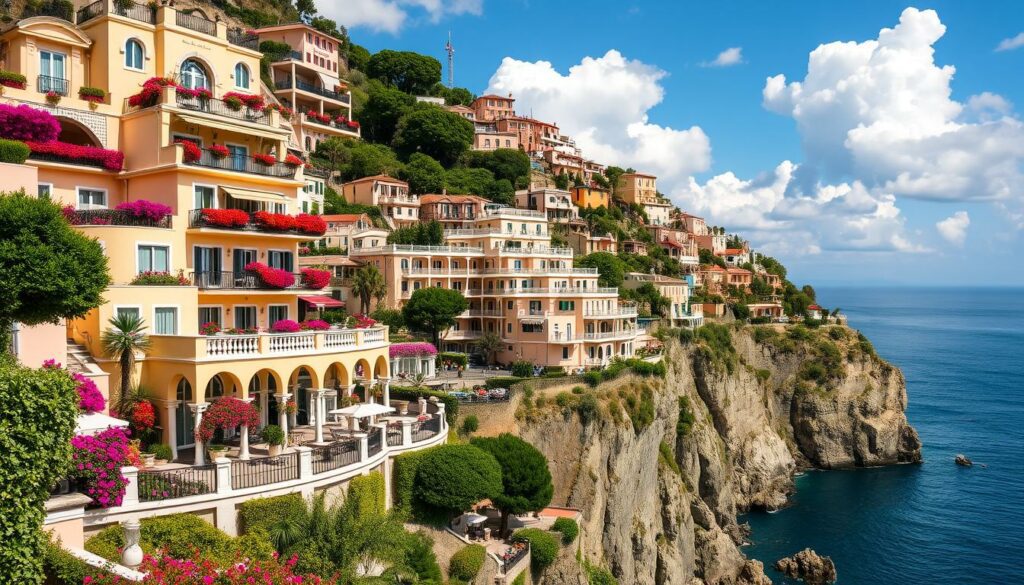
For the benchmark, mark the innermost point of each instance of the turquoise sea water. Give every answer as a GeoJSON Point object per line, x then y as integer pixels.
{"type": "Point", "coordinates": [962, 352]}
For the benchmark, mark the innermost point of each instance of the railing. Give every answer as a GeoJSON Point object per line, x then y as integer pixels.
{"type": "Point", "coordinates": [196, 23]}
{"type": "Point", "coordinates": [62, 10]}
{"type": "Point", "coordinates": [244, 164]}
{"type": "Point", "coordinates": [114, 217]}
{"type": "Point", "coordinates": [67, 160]}
{"type": "Point", "coordinates": [244, 39]}
{"type": "Point", "coordinates": [218, 107]}
{"type": "Point", "coordinates": [257, 472]}
{"type": "Point", "coordinates": [177, 483]}
{"type": "Point", "coordinates": [609, 334]}
{"type": "Point", "coordinates": [394, 435]}
{"type": "Point", "coordinates": [135, 11]}
{"type": "Point", "coordinates": [549, 270]}
{"type": "Point", "coordinates": [245, 280]}
{"type": "Point", "coordinates": [508, 563]}
{"type": "Point", "coordinates": [530, 250]}
{"type": "Point", "coordinates": [373, 336]}
{"type": "Point", "coordinates": [334, 456]}
{"type": "Point", "coordinates": [406, 248]}
{"type": "Point", "coordinates": [46, 84]}
{"type": "Point", "coordinates": [570, 291]}
{"type": "Point", "coordinates": [482, 313]}
{"type": "Point", "coordinates": [292, 342]}
{"type": "Point", "coordinates": [291, 56]}
{"type": "Point", "coordinates": [197, 219]}
{"type": "Point", "coordinates": [514, 211]}
{"type": "Point", "coordinates": [289, 83]}
{"type": "Point", "coordinates": [232, 345]}
{"type": "Point", "coordinates": [375, 442]}
{"type": "Point", "coordinates": [620, 312]}
{"type": "Point", "coordinates": [423, 430]}
{"type": "Point", "coordinates": [340, 339]}
{"type": "Point", "coordinates": [91, 11]}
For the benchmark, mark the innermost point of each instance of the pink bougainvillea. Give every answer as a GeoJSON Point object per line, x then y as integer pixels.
{"type": "Point", "coordinates": [317, 325]}
{"type": "Point", "coordinates": [90, 399]}
{"type": "Point", "coordinates": [286, 326]}
{"type": "Point", "coordinates": [308, 223]}
{"type": "Point", "coordinates": [414, 349]}
{"type": "Point", "coordinates": [112, 160]}
{"type": "Point", "coordinates": [97, 461]}
{"type": "Point", "coordinates": [226, 413]}
{"type": "Point", "coordinates": [165, 570]}
{"type": "Point", "coordinates": [26, 123]}
{"type": "Point", "coordinates": [272, 277]}
{"type": "Point", "coordinates": [363, 322]}
{"type": "Point", "coordinates": [147, 209]}
{"type": "Point", "coordinates": [315, 278]}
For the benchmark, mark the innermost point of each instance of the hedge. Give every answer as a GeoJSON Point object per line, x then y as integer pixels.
{"type": "Point", "coordinates": [467, 562]}
{"type": "Point", "coordinates": [13, 151]}
{"type": "Point", "coordinates": [262, 513]}
{"type": "Point", "coordinates": [456, 358]}
{"type": "Point", "coordinates": [62, 568]}
{"type": "Point", "coordinates": [403, 479]}
{"type": "Point", "coordinates": [451, 403]}
{"type": "Point", "coordinates": [179, 534]}
{"type": "Point", "coordinates": [568, 527]}
{"type": "Point", "coordinates": [38, 409]}
{"type": "Point", "coordinates": [543, 546]}
{"type": "Point", "coordinates": [368, 493]}
{"type": "Point", "coordinates": [502, 382]}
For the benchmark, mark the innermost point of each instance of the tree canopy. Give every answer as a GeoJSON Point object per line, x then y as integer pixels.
{"type": "Point", "coordinates": [456, 477]}
{"type": "Point", "coordinates": [384, 107]}
{"type": "Point", "coordinates": [410, 72]}
{"type": "Point", "coordinates": [433, 309]}
{"type": "Point", "coordinates": [420, 234]}
{"type": "Point", "coordinates": [434, 131]}
{"type": "Point", "coordinates": [424, 174]}
{"type": "Point", "coordinates": [48, 270]}
{"type": "Point", "coordinates": [611, 269]}
{"type": "Point", "coordinates": [525, 478]}
{"type": "Point", "coordinates": [504, 163]}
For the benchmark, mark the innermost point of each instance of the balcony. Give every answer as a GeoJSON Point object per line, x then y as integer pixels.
{"type": "Point", "coordinates": [219, 108]}
{"type": "Point", "coordinates": [535, 251]}
{"type": "Point", "coordinates": [197, 219]}
{"type": "Point", "coordinates": [135, 11]}
{"type": "Point", "coordinates": [223, 347]}
{"type": "Point", "coordinates": [618, 312]}
{"type": "Point", "coordinates": [428, 271]}
{"type": "Point", "coordinates": [114, 217]}
{"type": "Point", "coordinates": [46, 84]}
{"type": "Point", "coordinates": [414, 249]}
{"type": "Point", "coordinates": [307, 87]}
{"type": "Point", "coordinates": [607, 335]}
{"type": "Point", "coordinates": [196, 23]}
{"type": "Point", "coordinates": [290, 56]}
{"type": "Point", "coordinates": [246, 280]}
{"type": "Point", "coordinates": [244, 164]}
{"type": "Point", "coordinates": [460, 335]}
{"type": "Point", "coordinates": [240, 38]}
{"type": "Point", "coordinates": [564, 291]}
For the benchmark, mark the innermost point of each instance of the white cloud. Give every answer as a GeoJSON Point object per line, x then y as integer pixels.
{"type": "Point", "coordinates": [603, 103]}
{"type": "Point", "coordinates": [831, 218]}
{"type": "Point", "coordinates": [954, 228]}
{"type": "Point", "coordinates": [880, 112]}
{"type": "Point", "coordinates": [1011, 43]}
{"type": "Point", "coordinates": [391, 15]}
{"type": "Point", "coordinates": [727, 58]}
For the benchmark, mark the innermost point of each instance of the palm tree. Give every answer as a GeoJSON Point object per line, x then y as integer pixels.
{"type": "Point", "coordinates": [126, 336]}
{"type": "Point", "coordinates": [368, 283]}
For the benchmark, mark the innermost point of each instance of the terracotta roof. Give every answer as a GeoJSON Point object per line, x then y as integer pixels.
{"type": "Point", "coordinates": [378, 178]}
{"type": "Point", "coordinates": [435, 198]}
{"type": "Point", "coordinates": [674, 244]}
{"type": "Point", "coordinates": [738, 271]}
{"type": "Point", "coordinates": [636, 174]}
{"type": "Point", "coordinates": [494, 97]}
{"type": "Point", "coordinates": [713, 268]}
{"type": "Point", "coordinates": [732, 252]}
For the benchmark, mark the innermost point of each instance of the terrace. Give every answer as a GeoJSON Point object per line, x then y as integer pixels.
{"type": "Point", "coordinates": [209, 218]}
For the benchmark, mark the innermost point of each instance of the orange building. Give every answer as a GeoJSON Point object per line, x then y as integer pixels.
{"type": "Point", "coordinates": [488, 108]}
{"type": "Point", "coordinates": [452, 211]}
{"type": "Point", "coordinates": [399, 207]}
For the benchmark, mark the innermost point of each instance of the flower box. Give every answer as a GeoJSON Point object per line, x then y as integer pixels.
{"type": "Point", "coordinates": [192, 151]}
{"type": "Point", "coordinates": [314, 278]}
{"type": "Point", "coordinates": [286, 326]}
{"type": "Point", "coordinates": [271, 277]}
{"type": "Point", "coordinates": [293, 161]}
{"type": "Point", "coordinates": [13, 80]}
{"type": "Point", "coordinates": [278, 222]}
{"type": "Point", "coordinates": [92, 94]}
{"type": "Point", "coordinates": [153, 278]}
{"type": "Point", "coordinates": [209, 328]}
{"type": "Point", "coordinates": [253, 102]}
{"type": "Point", "coordinates": [308, 223]}
{"type": "Point", "coordinates": [111, 160]}
{"type": "Point", "coordinates": [226, 218]}
{"type": "Point", "coordinates": [219, 151]}
{"type": "Point", "coordinates": [265, 159]}
{"type": "Point", "coordinates": [147, 209]}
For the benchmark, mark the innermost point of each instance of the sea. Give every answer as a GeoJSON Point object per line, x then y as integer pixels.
{"type": "Point", "coordinates": [962, 352]}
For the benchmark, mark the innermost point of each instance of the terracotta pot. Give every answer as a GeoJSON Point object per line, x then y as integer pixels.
{"type": "Point", "coordinates": [148, 460]}
{"type": "Point", "coordinates": [275, 450]}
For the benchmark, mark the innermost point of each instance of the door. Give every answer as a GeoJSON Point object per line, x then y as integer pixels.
{"type": "Point", "coordinates": [52, 73]}
{"type": "Point", "coordinates": [242, 258]}
{"type": "Point", "coordinates": [245, 317]}
{"type": "Point", "coordinates": [207, 266]}
{"type": "Point", "coordinates": [239, 155]}
{"type": "Point", "coordinates": [185, 424]}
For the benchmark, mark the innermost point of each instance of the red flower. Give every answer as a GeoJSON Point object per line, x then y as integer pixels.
{"type": "Point", "coordinates": [315, 278]}
{"type": "Point", "coordinates": [192, 151]}
{"type": "Point", "coordinates": [310, 224]}
{"type": "Point", "coordinates": [227, 413]}
{"type": "Point", "coordinates": [143, 416]}
{"type": "Point", "coordinates": [267, 159]}
{"type": "Point", "coordinates": [278, 222]}
{"type": "Point", "coordinates": [112, 160]}
{"type": "Point", "coordinates": [294, 161]}
{"type": "Point", "coordinates": [219, 150]}
{"type": "Point", "coordinates": [253, 102]}
{"type": "Point", "coordinates": [272, 277]}
{"type": "Point", "coordinates": [229, 218]}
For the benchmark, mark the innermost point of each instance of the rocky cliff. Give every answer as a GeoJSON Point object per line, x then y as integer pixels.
{"type": "Point", "coordinates": [661, 467]}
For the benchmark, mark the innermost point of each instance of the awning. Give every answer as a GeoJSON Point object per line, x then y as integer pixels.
{"type": "Point", "coordinates": [322, 301]}
{"type": "Point", "coordinates": [95, 422]}
{"type": "Point", "coordinates": [249, 129]}
{"type": "Point", "coordinates": [253, 195]}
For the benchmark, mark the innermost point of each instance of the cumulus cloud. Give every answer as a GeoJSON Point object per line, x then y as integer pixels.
{"type": "Point", "coordinates": [603, 103]}
{"type": "Point", "coordinates": [880, 112]}
{"type": "Point", "coordinates": [782, 220]}
{"type": "Point", "coordinates": [391, 15]}
{"type": "Point", "coordinates": [727, 58]}
{"type": "Point", "coordinates": [1011, 43]}
{"type": "Point", "coordinates": [954, 228]}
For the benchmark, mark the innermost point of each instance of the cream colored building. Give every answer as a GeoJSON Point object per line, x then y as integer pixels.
{"type": "Point", "coordinates": [399, 207]}
{"type": "Point", "coordinates": [681, 313]}
{"type": "Point", "coordinates": [642, 189]}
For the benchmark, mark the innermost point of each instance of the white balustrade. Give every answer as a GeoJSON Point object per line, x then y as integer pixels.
{"type": "Point", "coordinates": [222, 345]}
{"type": "Point", "coordinates": [339, 338]}
{"type": "Point", "coordinates": [373, 336]}
{"type": "Point", "coordinates": [291, 342]}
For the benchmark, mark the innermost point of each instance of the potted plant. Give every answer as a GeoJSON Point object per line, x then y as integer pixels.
{"type": "Point", "coordinates": [291, 407]}
{"type": "Point", "coordinates": [274, 437]}
{"type": "Point", "coordinates": [52, 98]}
{"type": "Point", "coordinates": [216, 451]}
{"type": "Point", "coordinates": [148, 457]}
{"type": "Point", "coordinates": [162, 453]}
{"type": "Point", "coordinates": [209, 328]}
{"type": "Point", "coordinates": [219, 151]}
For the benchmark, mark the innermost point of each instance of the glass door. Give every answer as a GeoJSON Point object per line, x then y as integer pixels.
{"type": "Point", "coordinates": [239, 155]}
{"type": "Point", "coordinates": [242, 258]}
{"type": "Point", "coordinates": [51, 73]}
{"type": "Point", "coordinates": [207, 266]}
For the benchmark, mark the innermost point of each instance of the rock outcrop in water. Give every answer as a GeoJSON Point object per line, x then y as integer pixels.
{"type": "Point", "coordinates": [662, 467]}
{"type": "Point", "coordinates": [809, 567]}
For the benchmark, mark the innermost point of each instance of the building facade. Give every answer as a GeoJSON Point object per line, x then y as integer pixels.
{"type": "Point", "coordinates": [399, 207]}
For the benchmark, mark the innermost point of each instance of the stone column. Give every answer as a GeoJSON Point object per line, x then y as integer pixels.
{"type": "Point", "coordinates": [197, 410]}
{"type": "Point", "coordinates": [386, 401]}
{"type": "Point", "coordinates": [243, 440]}
{"type": "Point", "coordinates": [131, 556]}
{"type": "Point", "coordinates": [171, 407]}
{"type": "Point", "coordinates": [282, 416]}
{"type": "Point", "coordinates": [318, 403]}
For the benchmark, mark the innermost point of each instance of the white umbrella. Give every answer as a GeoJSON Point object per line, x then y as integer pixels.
{"type": "Point", "coordinates": [95, 422]}
{"type": "Point", "coordinates": [473, 519]}
{"type": "Point", "coordinates": [362, 410]}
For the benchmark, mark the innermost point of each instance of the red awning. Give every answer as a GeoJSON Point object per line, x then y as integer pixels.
{"type": "Point", "coordinates": [322, 301]}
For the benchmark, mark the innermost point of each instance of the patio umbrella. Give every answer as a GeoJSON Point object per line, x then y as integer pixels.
{"type": "Point", "coordinates": [362, 410]}
{"type": "Point", "coordinates": [95, 422]}
{"type": "Point", "coordinates": [474, 519]}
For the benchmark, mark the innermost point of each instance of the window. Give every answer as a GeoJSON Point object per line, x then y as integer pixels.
{"type": "Point", "coordinates": [245, 317]}
{"type": "Point", "coordinates": [44, 190]}
{"type": "Point", "coordinates": [204, 197]}
{"type": "Point", "coordinates": [92, 198]}
{"type": "Point", "coordinates": [134, 55]}
{"type": "Point", "coordinates": [51, 72]}
{"type": "Point", "coordinates": [165, 320]}
{"type": "Point", "coordinates": [566, 305]}
{"type": "Point", "coordinates": [193, 76]}
{"type": "Point", "coordinates": [133, 311]}
{"type": "Point", "coordinates": [278, 313]}
{"type": "Point", "coordinates": [279, 259]}
{"type": "Point", "coordinates": [241, 76]}
{"type": "Point", "coordinates": [154, 258]}
{"type": "Point", "coordinates": [533, 328]}
{"type": "Point", "coordinates": [565, 353]}
{"type": "Point", "coordinates": [209, 315]}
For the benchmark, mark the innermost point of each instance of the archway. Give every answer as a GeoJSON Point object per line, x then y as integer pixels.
{"type": "Point", "coordinates": [184, 420]}
{"type": "Point", "coordinates": [74, 132]}
{"type": "Point", "coordinates": [382, 369]}
{"type": "Point", "coordinates": [362, 370]}
{"type": "Point", "coordinates": [263, 385]}
{"type": "Point", "coordinates": [303, 379]}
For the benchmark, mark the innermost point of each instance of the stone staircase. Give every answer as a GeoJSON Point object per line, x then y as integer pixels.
{"type": "Point", "coordinates": [79, 359]}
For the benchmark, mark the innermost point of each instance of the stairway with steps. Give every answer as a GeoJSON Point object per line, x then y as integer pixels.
{"type": "Point", "coordinates": [79, 359]}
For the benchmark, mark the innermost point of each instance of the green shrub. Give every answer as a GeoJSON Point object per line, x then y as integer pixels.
{"type": "Point", "coordinates": [686, 418]}
{"type": "Point", "coordinates": [641, 409]}
{"type": "Point", "coordinates": [456, 358]}
{"type": "Point", "coordinates": [453, 478]}
{"type": "Point", "coordinates": [520, 580]}
{"type": "Point", "coordinates": [764, 334]}
{"type": "Point", "coordinates": [578, 390]}
{"type": "Point", "coordinates": [38, 409]}
{"type": "Point", "coordinates": [686, 336]}
{"type": "Point", "coordinates": [522, 369]}
{"type": "Point", "coordinates": [502, 381]}
{"type": "Point", "coordinates": [599, 576]}
{"type": "Point", "coordinates": [800, 333]}
{"type": "Point", "coordinates": [717, 345]}
{"type": "Point", "coordinates": [420, 559]}
{"type": "Point", "coordinates": [813, 371]}
{"type": "Point", "coordinates": [404, 480]}
{"type": "Point", "coordinates": [13, 151]}
{"type": "Point", "coordinates": [366, 492]}
{"type": "Point", "coordinates": [666, 456]}
{"type": "Point", "coordinates": [179, 535]}
{"type": "Point", "coordinates": [543, 546]}
{"type": "Point", "coordinates": [263, 513]}
{"type": "Point", "coordinates": [470, 424]}
{"type": "Point", "coordinates": [837, 333]}
{"type": "Point", "coordinates": [451, 403]}
{"type": "Point", "coordinates": [568, 527]}
{"type": "Point", "coordinates": [467, 562]}
{"type": "Point", "coordinates": [63, 568]}
{"type": "Point", "coordinates": [273, 435]}
{"type": "Point", "coordinates": [564, 399]}
{"type": "Point", "coordinates": [587, 409]}
{"type": "Point", "coordinates": [161, 451]}
{"type": "Point", "coordinates": [593, 378]}
{"type": "Point", "coordinates": [763, 375]}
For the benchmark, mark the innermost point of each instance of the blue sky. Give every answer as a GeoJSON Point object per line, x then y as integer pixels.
{"type": "Point", "coordinates": [928, 191]}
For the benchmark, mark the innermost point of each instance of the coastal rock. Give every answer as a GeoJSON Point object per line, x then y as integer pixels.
{"type": "Point", "coordinates": [808, 566]}
{"type": "Point", "coordinates": [963, 460]}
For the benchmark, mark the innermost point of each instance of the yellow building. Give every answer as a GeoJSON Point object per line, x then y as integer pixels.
{"type": "Point", "coordinates": [592, 197]}
{"type": "Point", "coordinates": [224, 199]}
{"type": "Point", "coordinates": [642, 189]}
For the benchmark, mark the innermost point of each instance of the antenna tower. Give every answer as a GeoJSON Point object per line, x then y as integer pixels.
{"type": "Point", "coordinates": [450, 49]}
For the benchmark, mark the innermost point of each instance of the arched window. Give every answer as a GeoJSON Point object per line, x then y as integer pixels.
{"type": "Point", "coordinates": [134, 55]}
{"type": "Point", "coordinates": [193, 76]}
{"type": "Point", "coordinates": [242, 76]}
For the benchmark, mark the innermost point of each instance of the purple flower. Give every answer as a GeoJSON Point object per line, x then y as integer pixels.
{"type": "Point", "coordinates": [414, 349]}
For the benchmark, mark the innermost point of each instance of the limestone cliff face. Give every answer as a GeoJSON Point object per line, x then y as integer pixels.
{"type": "Point", "coordinates": [660, 501]}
